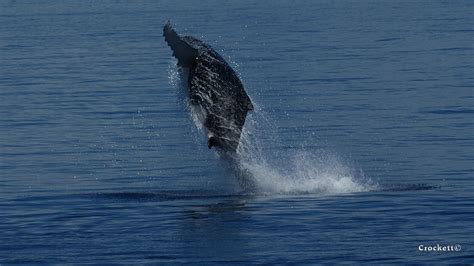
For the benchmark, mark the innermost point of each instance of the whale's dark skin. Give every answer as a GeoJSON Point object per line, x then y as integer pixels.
{"type": "Point", "coordinates": [214, 88]}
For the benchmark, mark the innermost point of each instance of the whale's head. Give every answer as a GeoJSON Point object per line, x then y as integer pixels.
{"type": "Point", "coordinates": [181, 49]}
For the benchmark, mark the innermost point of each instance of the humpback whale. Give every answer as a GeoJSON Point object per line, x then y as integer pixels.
{"type": "Point", "coordinates": [214, 89]}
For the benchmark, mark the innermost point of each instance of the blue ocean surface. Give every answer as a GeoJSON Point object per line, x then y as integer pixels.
{"type": "Point", "coordinates": [360, 147]}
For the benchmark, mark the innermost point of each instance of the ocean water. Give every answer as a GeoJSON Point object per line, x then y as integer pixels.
{"type": "Point", "coordinates": [360, 148]}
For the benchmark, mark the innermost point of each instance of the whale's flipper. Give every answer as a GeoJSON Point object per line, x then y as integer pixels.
{"type": "Point", "coordinates": [213, 87]}
{"type": "Point", "coordinates": [181, 50]}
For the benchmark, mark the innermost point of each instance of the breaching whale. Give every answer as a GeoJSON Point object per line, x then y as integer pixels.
{"type": "Point", "coordinates": [214, 89]}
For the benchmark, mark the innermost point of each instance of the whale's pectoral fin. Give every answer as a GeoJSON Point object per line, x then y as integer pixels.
{"type": "Point", "coordinates": [211, 142]}
{"type": "Point", "coordinates": [181, 50]}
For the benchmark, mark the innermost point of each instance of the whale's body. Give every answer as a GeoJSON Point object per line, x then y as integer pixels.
{"type": "Point", "coordinates": [213, 88]}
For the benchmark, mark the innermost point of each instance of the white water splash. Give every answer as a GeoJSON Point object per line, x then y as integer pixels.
{"type": "Point", "coordinates": [275, 168]}
{"type": "Point", "coordinates": [303, 173]}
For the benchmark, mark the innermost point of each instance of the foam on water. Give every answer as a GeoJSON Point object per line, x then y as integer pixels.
{"type": "Point", "coordinates": [267, 168]}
